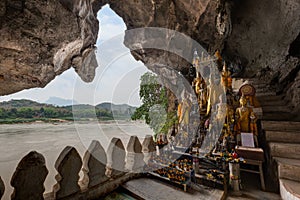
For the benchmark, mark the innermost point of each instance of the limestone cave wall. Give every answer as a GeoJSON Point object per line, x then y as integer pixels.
{"type": "Point", "coordinates": [258, 38]}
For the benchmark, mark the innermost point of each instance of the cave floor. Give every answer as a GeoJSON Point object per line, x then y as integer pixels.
{"type": "Point", "coordinates": [155, 189]}
{"type": "Point", "coordinates": [152, 189]}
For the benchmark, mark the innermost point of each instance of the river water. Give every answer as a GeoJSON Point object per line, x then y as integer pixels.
{"type": "Point", "coordinates": [17, 140]}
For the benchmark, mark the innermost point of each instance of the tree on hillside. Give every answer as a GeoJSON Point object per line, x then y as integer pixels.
{"type": "Point", "coordinates": [25, 112]}
{"type": "Point", "coordinates": [154, 105]}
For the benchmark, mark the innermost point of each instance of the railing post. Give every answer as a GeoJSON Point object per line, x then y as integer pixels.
{"type": "Point", "coordinates": [134, 159]}
{"type": "Point", "coordinates": [94, 165]}
{"type": "Point", "coordinates": [68, 166]}
{"type": "Point", "coordinates": [2, 188]}
{"type": "Point", "coordinates": [149, 148]}
{"type": "Point", "coordinates": [116, 158]}
{"type": "Point", "coordinates": [28, 179]}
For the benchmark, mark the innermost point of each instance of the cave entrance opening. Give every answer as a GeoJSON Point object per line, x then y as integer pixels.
{"type": "Point", "coordinates": [116, 68]}
{"type": "Point", "coordinates": [117, 81]}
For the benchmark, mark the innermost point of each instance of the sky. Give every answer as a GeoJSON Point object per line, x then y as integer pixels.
{"type": "Point", "coordinates": [117, 75]}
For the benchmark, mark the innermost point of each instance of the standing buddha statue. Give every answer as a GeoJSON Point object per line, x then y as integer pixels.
{"type": "Point", "coordinates": [201, 91]}
{"type": "Point", "coordinates": [219, 59]}
{"type": "Point", "coordinates": [243, 118]}
{"type": "Point", "coordinates": [197, 84]}
{"type": "Point", "coordinates": [196, 61]}
{"type": "Point", "coordinates": [226, 78]}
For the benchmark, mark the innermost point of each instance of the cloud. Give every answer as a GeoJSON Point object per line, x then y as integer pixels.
{"type": "Point", "coordinates": [110, 24]}
{"type": "Point", "coordinates": [61, 87]}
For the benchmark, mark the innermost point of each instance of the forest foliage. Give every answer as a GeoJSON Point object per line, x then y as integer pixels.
{"type": "Point", "coordinates": [154, 105]}
{"type": "Point", "coordinates": [18, 110]}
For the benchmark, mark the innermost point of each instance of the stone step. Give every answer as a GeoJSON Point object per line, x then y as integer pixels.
{"type": "Point", "coordinates": [281, 126]}
{"type": "Point", "coordinates": [284, 150]}
{"type": "Point", "coordinates": [272, 108]}
{"type": "Point", "coordinates": [272, 103]}
{"type": "Point", "coordinates": [263, 92]}
{"type": "Point", "coordinates": [259, 85]}
{"type": "Point", "coordinates": [266, 94]}
{"type": "Point", "coordinates": [289, 190]}
{"type": "Point", "coordinates": [270, 98]}
{"type": "Point", "coordinates": [288, 168]}
{"type": "Point", "coordinates": [283, 136]}
{"type": "Point", "coordinates": [255, 81]}
{"type": "Point", "coordinates": [263, 89]}
{"type": "Point", "coordinates": [279, 116]}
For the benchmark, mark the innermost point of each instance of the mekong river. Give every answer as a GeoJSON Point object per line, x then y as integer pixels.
{"type": "Point", "coordinates": [50, 139]}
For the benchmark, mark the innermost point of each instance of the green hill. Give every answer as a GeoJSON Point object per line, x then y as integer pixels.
{"type": "Point", "coordinates": [21, 103]}
{"type": "Point", "coordinates": [26, 110]}
{"type": "Point", "coordinates": [121, 109]}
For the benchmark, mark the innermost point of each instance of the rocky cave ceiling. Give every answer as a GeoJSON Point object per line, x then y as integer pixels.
{"type": "Point", "coordinates": [42, 38]}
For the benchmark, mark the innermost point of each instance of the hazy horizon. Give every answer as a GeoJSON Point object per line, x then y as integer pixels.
{"type": "Point", "coordinates": [76, 103]}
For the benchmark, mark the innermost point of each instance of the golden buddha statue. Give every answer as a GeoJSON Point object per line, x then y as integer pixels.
{"type": "Point", "coordinates": [226, 78]}
{"type": "Point", "coordinates": [197, 84]}
{"type": "Point", "coordinates": [230, 115]}
{"type": "Point", "coordinates": [185, 112]}
{"type": "Point", "coordinates": [203, 96]}
{"type": "Point", "coordinates": [243, 114]}
{"type": "Point", "coordinates": [213, 91]}
{"type": "Point", "coordinates": [219, 58]}
{"type": "Point", "coordinates": [201, 91]}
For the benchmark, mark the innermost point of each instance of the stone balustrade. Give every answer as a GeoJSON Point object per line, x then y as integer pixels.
{"type": "Point", "coordinates": [103, 171]}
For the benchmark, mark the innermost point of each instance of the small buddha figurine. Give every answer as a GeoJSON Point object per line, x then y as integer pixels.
{"type": "Point", "coordinates": [221, 109]}
{"type": "Point", "coordinates": [185, 111]}
{"type": "Point", "coordinates": [230, 115]}
{"type": "Point", "coordinates": [243, 118]}
{"type": "Point", "coordinates": [219, 58]}
{"type": "Point", "coordinates": [197, 84]}
{"type": "Point", "coordinates": [226, 78]}
{"type": "Point", "coordinates": [196, 60]}
{"type": "Point", "coordinates": [201, 91]}
{"type": "Point", "coordinates": [203, 96]}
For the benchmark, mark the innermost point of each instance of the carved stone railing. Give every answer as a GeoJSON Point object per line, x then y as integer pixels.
{"type": "Point", "coordinates": [103, 171]}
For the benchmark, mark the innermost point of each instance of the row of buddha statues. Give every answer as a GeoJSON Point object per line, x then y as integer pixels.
{"type": "Point", "coordinates": [217, 101]}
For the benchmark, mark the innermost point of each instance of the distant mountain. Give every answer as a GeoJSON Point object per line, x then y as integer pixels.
{"type": "Point", "coordinates": [20, 103]}
{"type": "Point", "coordinates": [57, 101]}
{"type": "Point", "coordinates": [123, 109]}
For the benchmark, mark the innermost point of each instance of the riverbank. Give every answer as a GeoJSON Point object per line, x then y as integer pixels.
{"type": "Point", "coordinates": [34, 120]}
{"type": "Point", "coordinates": [58, 120]}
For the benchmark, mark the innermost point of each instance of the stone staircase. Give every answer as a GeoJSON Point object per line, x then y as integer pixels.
{"type": "Point", "coordinates": [283, 147]}
{"type": "Point", "coordinates": [274, 106]}
{"type": "Point", "coordinates": [282, 140]}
